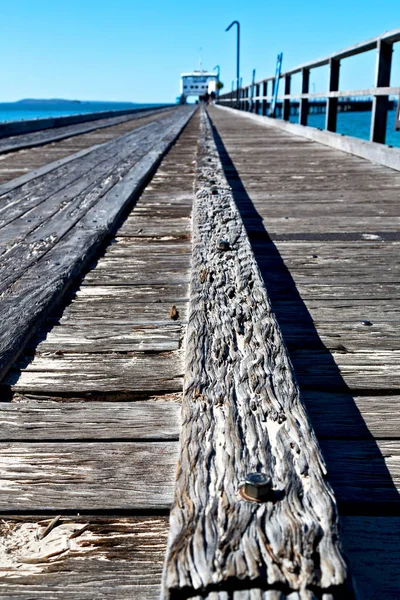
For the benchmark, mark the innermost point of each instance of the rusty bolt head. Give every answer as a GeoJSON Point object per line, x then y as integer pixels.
{"type": "Point", "coordinates": [257, 487]}
{"type": "Point", "coordinates": [223, 245]}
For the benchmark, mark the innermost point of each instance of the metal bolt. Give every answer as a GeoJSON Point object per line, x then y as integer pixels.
{"type": "Point", "coordinates": [366, 323]}
{"type": "Point", "coordinates": [257, 487]}
{"type": "Point", "coordinates": [223, 245]}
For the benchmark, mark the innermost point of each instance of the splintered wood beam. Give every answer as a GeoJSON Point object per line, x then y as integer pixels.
{"type": "Point", "coordinates": [242, 415]}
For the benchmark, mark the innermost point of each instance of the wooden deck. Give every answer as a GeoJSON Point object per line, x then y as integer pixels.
{"type": "Point", "coordinates": [90, 418]}
{"type": "Point", "coordinates": [324, 228]}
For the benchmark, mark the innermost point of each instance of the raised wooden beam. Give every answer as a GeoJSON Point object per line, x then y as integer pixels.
{"type": "Point", "coordinates": [242, 418]}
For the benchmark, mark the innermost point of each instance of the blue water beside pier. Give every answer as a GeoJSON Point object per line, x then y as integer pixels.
{"type": "Point", "coordinates": [18, 111]}
{"type": "Point", "coordinates": [356, 124]}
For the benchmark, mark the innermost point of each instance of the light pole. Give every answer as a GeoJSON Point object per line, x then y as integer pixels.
{"type": "Point", "coordinates": [237, 58]}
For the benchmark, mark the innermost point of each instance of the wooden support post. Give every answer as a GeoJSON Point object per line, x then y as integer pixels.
{"type": "Point", "coordinates": [305, 86]}
{"type": "Point", "coordinates": [286, 103]}
{"type": "Point", "coordinates": [257, 102]}
{"type": "Point", "coordinates": [332, 103]}
{"type": "Point", "coordinates": [380, 104]}
{"type": "Point", "coordinates": [264, 102]}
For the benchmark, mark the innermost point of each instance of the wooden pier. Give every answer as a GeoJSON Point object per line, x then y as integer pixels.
{"type": "Point", "coordinates": [190, 297]}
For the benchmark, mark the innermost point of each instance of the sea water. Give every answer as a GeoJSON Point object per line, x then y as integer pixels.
{"type": "Point", "coordinates": [24, 110]}
{"type": "Point", "coordinates": [356, 124]}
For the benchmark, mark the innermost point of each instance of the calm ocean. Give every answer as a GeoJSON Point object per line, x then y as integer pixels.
{"type": "Point", "coordinates": [357, 124]}
{"type": "Point", "coordinates": [16, 111]}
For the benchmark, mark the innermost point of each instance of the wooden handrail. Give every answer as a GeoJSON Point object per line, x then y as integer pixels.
{"type": "Point", "coordinates": [380, 92]}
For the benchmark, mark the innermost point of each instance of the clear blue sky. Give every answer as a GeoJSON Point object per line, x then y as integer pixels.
{"type": "Point", "coordinates": [131, 50]}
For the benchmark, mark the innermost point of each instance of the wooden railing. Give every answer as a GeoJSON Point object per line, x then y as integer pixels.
{"type": "Point", "coordinates": [255, 97]}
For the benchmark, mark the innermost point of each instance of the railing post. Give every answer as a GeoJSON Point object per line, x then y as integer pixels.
{"type": "Point", "coordinates": [332, 103]}
{"type": "Point", "coordinates": [272, 94]}
{"type": "Point", "coordinates": [257, 103]}
{"type": "Point", "coordinates": [380, 103]}
{"type": "Point", "coordinates": [286, 102]}
{"type": "Point", "coordinates": [264, 102]}
{"type": "Point", "coordinates": [305, 86]}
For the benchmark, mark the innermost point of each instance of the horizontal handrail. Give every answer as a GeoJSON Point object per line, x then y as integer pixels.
{"type": "Point", "coordinates": [386, 91]}
{"type": "Point", "coordinates": [249, 97]}
{"type": "Point", "coordinates": [390, 37]}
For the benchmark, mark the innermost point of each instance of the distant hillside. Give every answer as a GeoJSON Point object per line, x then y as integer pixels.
{"type": "Point", "coordinates": [49, 101]}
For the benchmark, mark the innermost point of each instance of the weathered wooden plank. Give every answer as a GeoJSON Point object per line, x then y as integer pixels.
{"type": "Point", "coordinates": [342, 415]}
{"type": "Point", "coordinates": [364, 539]}
{"type": "Point", "coordinates": [39, 138]}
{"type": "Point", "coordinates": [45, 196]}
{"type": "Point", "coordinates": [19, 167]}
{"type": "Point", "coordinates": [119, 309]}
{"type": "Point", "coordinates": [140, 294]}
{"type": "Point", "coordinates": [29, 299]}
{"type": "Point", "coordinates": [365, 475]}
{"type": "Point", "coordinates": [242, 413]}
{"type": "Point", "coordinates": [65, 421]}
{"type": "Point", "coordinates": [98, 558]}
{"type": "Point", "coordinates": [107, 336]}
{"type": "Point", "coordinates": [361, 370]}
{"type": "Point", "coordinates": [91, 476]}
{"type": "Point", "coordinates": [112, 558]}
{"type": "Point", "coordinates": [82, 373]}
{"type": "Point", "coordinates": [341, 336]}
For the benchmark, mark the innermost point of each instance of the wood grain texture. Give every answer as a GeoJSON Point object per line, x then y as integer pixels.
{"type": "Point", "coordinates": [39, 138]}
{"type": "Point", "coordinates": [80, 373]}
{"type": "Point", "coordinates": [121, 559]}
{"type": "Point", "coordinates": [50, 421]}
{"type": "Point", "coordinates": [91, 476]}
{"type": "Point", "coordinates": [27, 301]}
{"type": "Point", "coordinates": [242, 413]}
{"type": "Point", "coordinates": [114, 558]}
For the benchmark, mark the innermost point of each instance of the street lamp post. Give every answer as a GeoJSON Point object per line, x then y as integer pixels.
{"type": "Point", "coordinates": [237, 58]}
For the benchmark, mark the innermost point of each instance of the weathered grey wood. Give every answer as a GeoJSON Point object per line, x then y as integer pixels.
{"type": "Point", "coordinates": [19, 167]}
{"type": "Point", "coordinates": [353, 417]}
{"type": "Point", "coordinates": [364, 539]}
{"type": "Point", "coordinates": [28, 300]}
{"type": "Point", "coordinates": [45, 421]}
{"type": "Point", "coordinates": [39, 138]}
{"type": "Point", "coordinates": [141, 294]}
{"type": "Point", "coordinates": [91, 476]}
{"type": "Point", "coordinates": [112, 542]}
{"type": "Point", "coordinates": [113, 558]}
{"type": "Point", "coordinates": [82, 373]}
{"type": "Point", "coordinates": [379, 153]}
{"type": "Point", "coordinates": [56, 184]}
{"type": "Point", "coordinates": [365, 475]}
{"type": "Point", "coordinates": [242, 413]}
{"type": "Point", "coordinates": [105, 337]}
